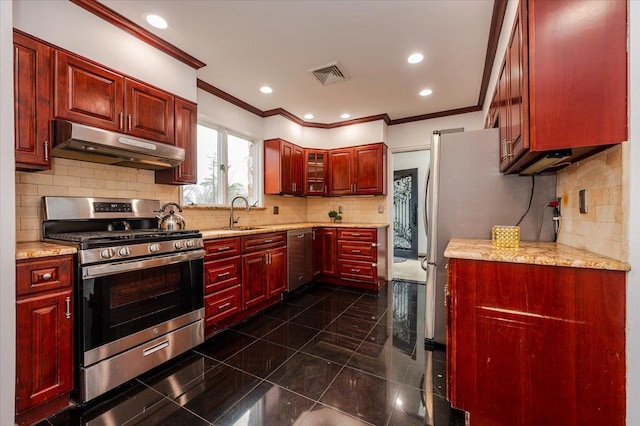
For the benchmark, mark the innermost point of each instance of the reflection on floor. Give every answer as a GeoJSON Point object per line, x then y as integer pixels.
{"type": "Point", "coordinates": [409, 270]}
{"type": "Point", "coordinates": [329, 356]}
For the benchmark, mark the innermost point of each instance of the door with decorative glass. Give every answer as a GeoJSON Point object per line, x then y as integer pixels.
{"type": "Point", "coordinates": [405, 218]}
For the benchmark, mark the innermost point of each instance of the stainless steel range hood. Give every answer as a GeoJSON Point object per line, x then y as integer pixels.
{"type": "Point", "coordinates": [80, 142]}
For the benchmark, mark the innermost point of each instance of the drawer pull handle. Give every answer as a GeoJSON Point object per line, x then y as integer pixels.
{"type": "Point", "coordinates": [355, 234]}
{"type": "Point", "coordinates": [67, 301]}
{"type": "Point", "coordinates": [224, 274]}
{"type": "Point", "coordinates": [155, 348]}
{"type": "Point", "coordinates": [375, 244]}
{"type": "Point", "coordinates": [47, 276]}
{"type": "Point", "coordinates": [224, 306]}
{"type": "Point", "coordinates": [268, 241]}
{"type": "Point", "coordinates": [355, 270]}
{"type": "Point", "coordinates": [223, 248]}
{"type": "Point", "coordinates": [355, 251]}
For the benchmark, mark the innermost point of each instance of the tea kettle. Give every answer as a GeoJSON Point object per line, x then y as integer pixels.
{"type": "Point", "coordinates": [170, 221]}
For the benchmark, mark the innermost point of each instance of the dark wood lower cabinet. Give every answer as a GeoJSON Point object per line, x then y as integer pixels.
{"type": "Point", "coordinates": [44, 336]}
{"type": "Point", "coordinates": [536, 345]}
{"type": "Point", "coordinates": [264, 275]}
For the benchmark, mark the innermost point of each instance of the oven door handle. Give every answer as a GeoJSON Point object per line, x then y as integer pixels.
{"type": "Point", "coordinates": [96, 271]}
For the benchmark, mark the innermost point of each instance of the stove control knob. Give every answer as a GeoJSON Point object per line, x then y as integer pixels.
{"type": "Point", "coordinates": [189, 243]}
{"type": "Point", "coordinates": [154, 248]}
{"type": "Point", "coordinates": [107, 253]}
{"type": "Point", "coordinates": [178, 245]}
{"type": "Point", "coordinates": [124, 251]}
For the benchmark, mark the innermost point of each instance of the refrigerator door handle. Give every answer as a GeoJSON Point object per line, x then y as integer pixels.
{"type": "Point", "coordinates": [430, 293]}
{"type": "Point", "coordinates": [423, 263]}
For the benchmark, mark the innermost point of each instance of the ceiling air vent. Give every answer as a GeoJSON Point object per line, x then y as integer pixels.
{"type": "Point", "coordinates": [330, 73]}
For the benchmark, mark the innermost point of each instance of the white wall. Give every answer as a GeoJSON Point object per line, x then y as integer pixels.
{"type": "Point", "coordinates": [633, 277]}
{"type": "Point", "coordinates": [216, 111]}
{"type": "Point", "coordinates": [357, 134]}
{"type": "Point", "coordinates": [415, 160]}
{"type": "Point", "coordinates": [7, 230]}
{"type": "Point", "coordinates": [417, 135]}
{"type": "Point", "coordinates": [70, 27]}
{"type": "Point", "coordinates": [278, 126]}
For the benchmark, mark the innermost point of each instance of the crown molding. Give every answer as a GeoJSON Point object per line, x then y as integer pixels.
{"type": "Point", "coordinates": [137, 31]}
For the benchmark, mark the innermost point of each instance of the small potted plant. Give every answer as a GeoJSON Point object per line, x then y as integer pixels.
{"type": "Point", "coordinates": [333, 215]}
{"type": "Point", "coordinates": [338, 219]}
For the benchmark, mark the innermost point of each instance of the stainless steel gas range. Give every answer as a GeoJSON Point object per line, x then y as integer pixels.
{"type": "Point", "coordinates": [138, 289]}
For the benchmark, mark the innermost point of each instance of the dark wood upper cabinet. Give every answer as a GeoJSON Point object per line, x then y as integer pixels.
{"type": "Point", "coordinates": [359, 170]}
{"type": "Point", "coordinates": [315, 172]}
{"type": "Point", "coordinates": [565, 81]}
{"type": "Point", "coordinates": [186, 129]}
{"type": "Point", "coordinates": [90, 94]}
{"type": "Point", "coordinates": [32, 62]}
{"type": "Point", "coordinates": [283, 166]}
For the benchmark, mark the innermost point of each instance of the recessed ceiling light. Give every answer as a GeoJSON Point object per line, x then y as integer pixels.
{"type": "Point", "coordinates": [266, 89]}
{"type": "Point", "coordinates": [345, 115]}
{"type": "Point", "coordinates": [308, 116]}
{"type": "Point", "coordinates": [426, 92]}
{"type": "Point", "coordinates": [415, 58]}
{"type": "Point", "coordinates": [156, 21]}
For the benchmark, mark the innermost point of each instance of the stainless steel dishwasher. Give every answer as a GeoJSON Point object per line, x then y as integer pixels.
{"type": "Point", "coordinates": [300, 269]}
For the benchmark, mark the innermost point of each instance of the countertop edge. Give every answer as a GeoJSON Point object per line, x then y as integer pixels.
{"type": "Point", "coordinates": [212, 234]}
{"type": "Point", "coordinates": [36, 249]}
{"type": "Point", "coordinates": [533, 253]}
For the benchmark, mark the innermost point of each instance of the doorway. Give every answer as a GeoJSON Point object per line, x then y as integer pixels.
{"type": "Point", "coordinates": [405, 213]}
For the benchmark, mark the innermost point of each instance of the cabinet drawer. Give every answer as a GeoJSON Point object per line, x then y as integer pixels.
{"type": "Point", "coordinates": [357, 251]}
{"type": "Point", "coordinates": [355, 270]}
{"type": "Point", "coordinates": [221, 274]}
{"type": "Point", "coordinates": [221, 304]}
{"type": "Point", "coordinates": [50, 273]}
{"type": "Point", "coordinates": [253, 243]}
{"type": "Point", "coordinates": [225, 247]}
{"type": "Point", "coordinates": [357, 234]}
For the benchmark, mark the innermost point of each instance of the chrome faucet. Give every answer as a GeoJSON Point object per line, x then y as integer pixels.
{"type": "Point", "coordinates": [234, 220]}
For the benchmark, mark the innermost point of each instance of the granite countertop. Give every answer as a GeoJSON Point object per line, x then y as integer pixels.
{"type": "Point", "coordinates": [535, 253]}
{"type": "Point", "coordinates": [33, 249]}
{"type": "Point", "coordinates": [261, 229]}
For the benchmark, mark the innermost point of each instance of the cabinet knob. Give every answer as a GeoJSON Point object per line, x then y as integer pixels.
{"type": "Point", "coordinates": [47, 276]}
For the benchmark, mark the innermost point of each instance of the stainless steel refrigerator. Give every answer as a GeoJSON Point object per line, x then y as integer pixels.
{"type": "Point", "coordinates": [466, 196]}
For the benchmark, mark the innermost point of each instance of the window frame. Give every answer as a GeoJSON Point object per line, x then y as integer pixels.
{"type": "Point", "coordinates": [222, 144]}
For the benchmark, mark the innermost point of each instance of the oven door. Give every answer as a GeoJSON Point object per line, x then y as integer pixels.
{"type": "Point", "coordinates": [128, 303]}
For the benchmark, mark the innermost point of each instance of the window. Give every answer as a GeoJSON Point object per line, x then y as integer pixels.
{"type": "Point", "coordinates": [228, 165]}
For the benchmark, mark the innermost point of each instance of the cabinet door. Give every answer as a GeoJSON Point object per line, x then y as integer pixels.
{"type": "Point", "coordinates": [186, 127]}
{"type": "Point", "coordinates": [516, 82]}
{"type": "Point", "coordinates": [254, 284]}
{"type": "Point", "coordinates": [32, 103]}
{"type": "Point", "coordinates": [368, 177]}
{"type": "Point", "coordinates": [340, 171]}
{"type": "Point", "coordinates": [315, 172]}
{"type": "Point", "coordinates": [297, 167]}
{"type": "Point", "coordinates": [44, 348]}
{"type": "Point", "coordinates": [578, 73]}
{"type": "Point", "coordinates": [276, 273]}
{"type": "Point", "coordinates": [88, 94]}
{"type": "Point", "coordinates": [286, 168]}
{"type": "Point", "coordinates": [503, 118]}
{"type": "Point", "coordinates": [316, 251]}
{"type": "Point", "coordinates": [149, 112]}
{"type": "Point", "coordinates": [329, 250]}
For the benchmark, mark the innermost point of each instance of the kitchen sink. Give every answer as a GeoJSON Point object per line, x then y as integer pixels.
{"type": "Point", "coordinates": [241, 228]}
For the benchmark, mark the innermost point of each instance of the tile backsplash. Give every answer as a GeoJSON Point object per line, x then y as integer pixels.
{"type": "Point", "coordinates": [603, 228]}
{"type": "Point", "coordinates": [80, 179]}
{"type": "Point", "coordinates": [84, 179]}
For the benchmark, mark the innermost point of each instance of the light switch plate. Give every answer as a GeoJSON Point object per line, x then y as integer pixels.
{"type": "Point", "coordinates": [582, 197]}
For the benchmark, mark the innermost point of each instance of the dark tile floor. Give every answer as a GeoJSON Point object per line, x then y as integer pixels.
{"type": "Point", "coordinates": [328, 356]}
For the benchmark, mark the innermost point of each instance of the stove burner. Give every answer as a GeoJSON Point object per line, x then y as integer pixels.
{"type": "Point", "coordinates": [116, 236]}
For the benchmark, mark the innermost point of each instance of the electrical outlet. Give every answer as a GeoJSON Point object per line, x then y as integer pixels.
{"type": "Point", "coordinates": [559, 206]}
{"type": "Point", "coordinates": [276, 209]}
{"type": "Point", "coordinates": [380, 208]}
{"type": "Point", "coordinates": [340, 209]}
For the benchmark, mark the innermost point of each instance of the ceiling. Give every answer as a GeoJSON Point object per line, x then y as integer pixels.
{"type": "Point", "coordinates": [249, 44]}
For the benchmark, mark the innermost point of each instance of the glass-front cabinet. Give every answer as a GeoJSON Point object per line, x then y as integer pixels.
{"type": "Point", "coordinates": [315, 176]}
